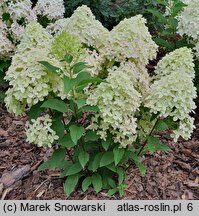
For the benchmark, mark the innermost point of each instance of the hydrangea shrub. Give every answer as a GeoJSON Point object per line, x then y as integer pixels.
{"type": "Point", "coordinates": [89, 96]}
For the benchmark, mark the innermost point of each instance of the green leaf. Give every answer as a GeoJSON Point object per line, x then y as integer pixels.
{"type": "Point", "coordinates": [106, 143]}
{"type": "Point", "coordinates": [118, 154]}
{"type": "Point", "coordinates": [50, 67]}
{"type": "Point", "coordinates": [79, 67]}
{"type": "Point", "coordinates": [35, 111]}
{"type": "Point", "coordinates": [111, 182]}
{"type": "Point", "coordinates": [68, 84]}
{"type": "Point", "coordinates": [107, 159]}
{"type": "Point", "coordinates": [57, 125]}
{"type": "Point", "coordinates": [80, 103]}
{"type": "Point", "coordinates": [76, 132]}
{"type": "Point", "coordinates": [91, 136]}
{"type": "Point", "coordinates": [154, 144]}
{"type": "Point", "coordinates": [157, 14]}
{"type": "Point", "coordinates": [90, 108]}
{"type": "Point", "coordinates": [161, 126]}
{"type": "Point", "coordinates": [68, 58]}
{"type": "Point", "coordinates": [86, 183]}
{"type": "Point", "coordinates": [111, 192]}
{"type": "Point", "coordinates": [171, 124]}
{"type": "Point", "coordinates": [81, 84]}
{"type": "Point", "coordinates": [161, 42]}
{"type": "Point", "coordinates": [82, 76]}
{"type": "Point", "coordinates": [55, 161]}
{"type": "Point", "coordinates": [5, 16]}
{"type": "Point", "coordinates": [121, 175]}
{"type": "Point", "coordinates": [75, 168]}
{"type": "Point", "coordinates": [83, 158]}
{"type": "Point", "coordinates": [70, 184]}
{"type": "Point", "coordinates": [66, 141]}
{"type": "Point", "coordinates": [2, 96]}
{"type": "Point", "coordinates": [56, 104]}
{"type": "Point", "coordinates": [141, 168]}
{"type": "Point", "coordinates": [96, 162]}
{"type": "Point", "coordinates": [112, 167]}
{"type": "Point", "coordinates": [97, 182]}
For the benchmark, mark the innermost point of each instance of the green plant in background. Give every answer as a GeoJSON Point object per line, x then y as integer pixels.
{"type": "Point", "coordinates": [166, 24]}
{"type": "Point", "coordinates": [102, 9]}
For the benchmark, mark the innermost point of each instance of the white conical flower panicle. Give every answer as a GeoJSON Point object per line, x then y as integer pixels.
{"type": "Point", "coordinates": [21, 9]}
{"type": "Point", "coordinates": [118, 101]}
{"type": "Point", "coordinates": [189, 20]}
{"type": "Point", "coordinates": [52, 9]}
{"type": "Point", "coordinates": [84, 25]}
{"type": "Point", "coordinates": [29, 80]}
{"type": "Point", "coordinates": [130, 39]}
{"type": "Point", "coordinates": [40, 132]}
{"type": "Point", "coordinates": [173, 92]}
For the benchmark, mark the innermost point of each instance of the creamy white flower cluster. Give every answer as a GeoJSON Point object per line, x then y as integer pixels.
{"type": "Point", "coordinates": [53, 9]}
{"type": "Point", "coordinates": [84, 25]}
{"type": "Point", "coordinates": [189, 22]}
{"type": "Point", "coordinates": [173, 91]}
{"type": "Point", "coordinates": [30, 82]}
{"type": "Point", "coordinates": [58, 26]}
{"type": "Point", "coordinates": [6, 47]}
{"type": "Point", "coordinates": [40, 132]}
{"type": "Point", "coordinates": [130, 40]}
{"type": "Point", "coordinates": [21, 9]}
{"type": "Point", "coordinates": [118, 101]}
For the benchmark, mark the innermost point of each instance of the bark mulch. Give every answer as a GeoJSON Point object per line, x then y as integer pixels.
{"type": "Point", "coordinates": [173, 175]}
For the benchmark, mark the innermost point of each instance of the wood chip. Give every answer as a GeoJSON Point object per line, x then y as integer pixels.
{"type": "Point", "coordinates": [10, 178]}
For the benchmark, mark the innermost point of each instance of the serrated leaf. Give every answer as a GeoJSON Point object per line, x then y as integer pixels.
{"type": "Point", "coordinates": [82, 76]}
{"type": "Point", "coordinates": [83, 158]}
{"type": "Point", "coordinates": [79, 67]}
{"type": "Point", "coordinates": [75, 168]}
{"type": "Point", "coordinates": [154, 144]}
{"type": "Point", "coordinates": [97, 182]}
{"type": "Point", "coordinates": [107, 159]}
{"type": "Point", "coordinates": [35, 111]}
{"type": "Point", "coordinates": [80, 103]}
{"type": "Point", "coordinates": [68, 84]}
{"type": "Point", "coordinates": [91, 136]}
{"type": "Point", "coordinates": [76, 132]}
{"type": "Point", "coordinates": [86, 183]}
{"type": "Point", "coordinates": [55, 104]}
{"type": "Point", "coordinates": [121, 175]}
{"type": "Point", "coordinates": [106, 143]}
{"type": "Point", "coordinates": [96, 162]}
{"type": "Point", "coordinates": [55, 161]}
{"type": "Point", "coordinates": [50, 67]}
{"type": "Point", "coordinates": [141, 168]}
{"type": "Point", "coordinates": [58, 126]}
{"type": "Point", "coordinates": [81, 84]}
{"type": "Point", "coordinates": [161, 126]}
{"type": "Point", "coordinates": [70, 184]}
{"type": "Point", "coordinates": [111, 182]}
{"type": "Point", "coordinates": [111, 192]}
{"type": "Point", "coordinates": [157, 14]}
{"type": "Point", "coordinates": [90, 108]}
{"type": "Point", "coordinates": [118, 154]}
{"type": "Point", "coordinates": [66, 141]}
{"type": "Point", "coordinates": [163, 43]}
{"type": "Point", "coordinates": [112, 167]}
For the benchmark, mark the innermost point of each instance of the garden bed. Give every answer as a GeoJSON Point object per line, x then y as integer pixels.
{"type": "Point", "coordinates": [173, 175]}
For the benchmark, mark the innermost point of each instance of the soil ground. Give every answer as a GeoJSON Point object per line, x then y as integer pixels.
{"type": "Point", "coordinates": [173, 175]}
